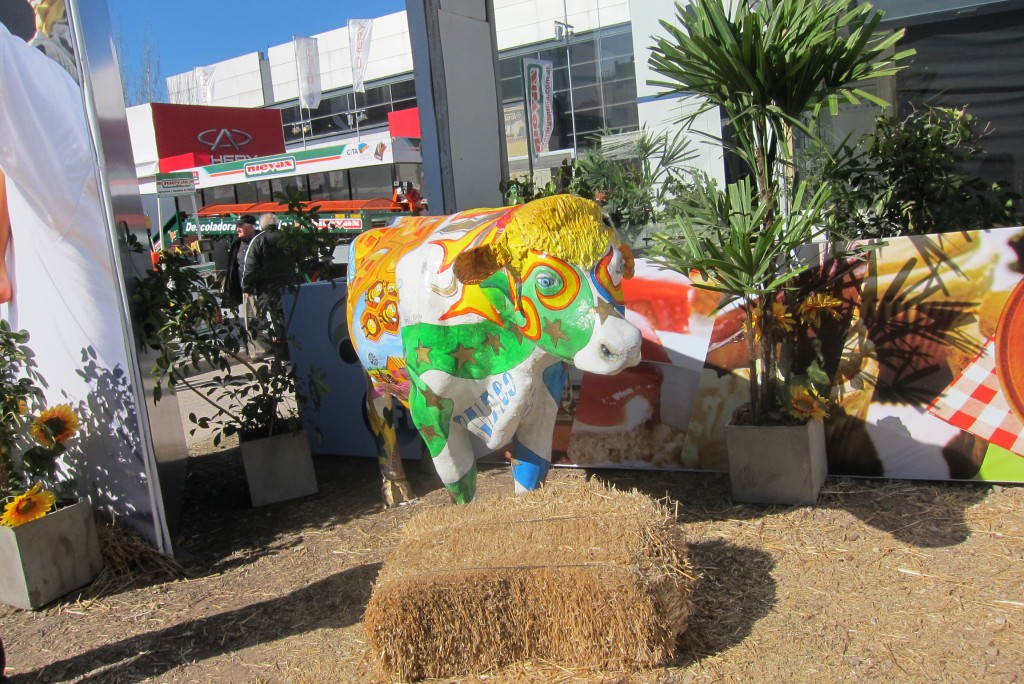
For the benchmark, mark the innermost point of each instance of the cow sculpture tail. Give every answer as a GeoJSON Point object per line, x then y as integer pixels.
{"type": "Point", "coordinates": [395, 488]}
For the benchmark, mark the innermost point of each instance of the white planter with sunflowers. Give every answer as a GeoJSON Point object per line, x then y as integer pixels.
{"type": "Point", "coordinates": [48, 557]}
{"type": "Point", "coordinates": [48, 541]}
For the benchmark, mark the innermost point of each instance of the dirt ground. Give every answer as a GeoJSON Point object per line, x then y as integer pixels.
{"type": "Point", "coordinates": [881, 581]}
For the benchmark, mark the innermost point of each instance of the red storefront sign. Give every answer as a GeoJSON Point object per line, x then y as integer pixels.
{"type": "Point", "coordinates": [190, 135]}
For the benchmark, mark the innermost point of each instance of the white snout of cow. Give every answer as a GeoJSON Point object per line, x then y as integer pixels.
{"type": "Point", "coordinates": [615, 345]}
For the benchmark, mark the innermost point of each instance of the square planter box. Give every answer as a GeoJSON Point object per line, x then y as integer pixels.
{"type": "Point", "coordinates": [47, 558]}
{"type": "Point", "coordinates": [777, 464]}
{"type": "Point", "coordinates": [278, 468]}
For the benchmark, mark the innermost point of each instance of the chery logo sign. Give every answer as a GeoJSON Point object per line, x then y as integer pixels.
{"type": "Point", "coordinates": [216, 138]}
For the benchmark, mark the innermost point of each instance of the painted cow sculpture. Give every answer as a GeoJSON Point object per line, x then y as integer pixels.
{"type": "Point", "coordinates": [469, 319]}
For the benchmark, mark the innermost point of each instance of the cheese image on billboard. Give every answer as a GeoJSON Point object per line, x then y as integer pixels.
{"type": "Point", "coordinates": [639, 417]}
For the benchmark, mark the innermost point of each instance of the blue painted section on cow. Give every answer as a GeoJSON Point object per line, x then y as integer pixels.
{"type": "Point", "coordinates": [528, 469]}
{"type": "Point", "coordinates": [554, 379]}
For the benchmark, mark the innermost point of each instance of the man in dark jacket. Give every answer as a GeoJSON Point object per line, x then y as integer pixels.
{"type": "Point", "coordinates": [245, 227]}
{"type": "Point", "coordinates": [269, 268]}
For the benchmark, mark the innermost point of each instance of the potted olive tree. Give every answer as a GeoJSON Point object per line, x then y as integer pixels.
{"type": "Point", "coordinates": [254, 399]}
{"type": "Point", "coordinates": [769, 68]}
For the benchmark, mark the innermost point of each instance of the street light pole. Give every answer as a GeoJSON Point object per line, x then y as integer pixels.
{"type": "Point", "coordinates": [564, 31]}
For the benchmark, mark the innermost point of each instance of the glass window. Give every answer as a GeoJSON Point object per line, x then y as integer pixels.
{"type": "Point", "coordinates": [224, 194]}
{"type": "Point", "coordinates": [582, 50]}
{"type": "Point", "coordinates": [278, 186]}
{"type": "Point", "coordinates": [290, 114]}
{"type": "Point", "coordinates": [370, 182]}
{"type": "Point", "coordinates": [401, 91]}
{"type": "Point", "coordinates": [512, 89]}
{"type": "Point", "coordinates": [510, 67]}
{"type": "Point", "coordinates": [613, 68]}
{"type": "Point", "coordinates": [336, 186]}
{"type": "Point", "coordinates": [623, 117]}
{"type": "Point", "coordinates": [586, 97]}
{"type": "Point", "coordinates": [245, 193]}
{"type": "Point", "coordinates": [619, 92]}
{"type": "Point", "coordinates": [620, 44]}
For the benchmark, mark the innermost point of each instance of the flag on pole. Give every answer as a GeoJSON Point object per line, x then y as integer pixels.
{"type": "Point", "coordinates": [307, 68]}
{"type": "Point", "coordinates": [204, 84]}
{"type": "Point", "coordinates": [538, 75]}
{"type": "Point", "coordinates": [359, 31]}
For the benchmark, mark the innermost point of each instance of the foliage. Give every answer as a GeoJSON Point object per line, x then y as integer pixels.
{"type": "Point", "coordinates": [22, 463]}
{"type": "Point", "coordinates": [523, 189]}
{"type": "Point", "coordinates": [182, 318]}
{"type": "Point", "coordinates": [766, 66]}
{"type": "Point", "coordinates": [907, 178]}
{"type": "Point", "coordinates": [635, 176]}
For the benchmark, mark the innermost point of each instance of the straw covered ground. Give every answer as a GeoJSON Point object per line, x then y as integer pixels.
{"type": "Point", "coordinates": [881, 581]}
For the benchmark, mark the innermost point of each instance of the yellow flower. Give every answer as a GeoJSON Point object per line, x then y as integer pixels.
{"type": "Point", "coordinates": [22, 407]}
{"type": "Point", "coordinates": [805, 404]}
{"type": "Point", "coordinates": [818, 303]}
{"type": "Point", "coordinates": [28, 506]}
{"type": "Point", "coordinates": [782, 317]}
{"type": "Point", "coordinates": [55, 425]}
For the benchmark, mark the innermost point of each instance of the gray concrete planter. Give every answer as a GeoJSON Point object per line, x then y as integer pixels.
{"type": "Point", "coordinates": [777, 464]}
{"type": "Point", "coordinates": [47, 558]}
{"type": "Point", "coordinates": [278, 468]}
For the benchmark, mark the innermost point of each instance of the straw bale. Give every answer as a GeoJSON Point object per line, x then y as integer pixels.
{"type": "Point", "coordinates": [582, 575]}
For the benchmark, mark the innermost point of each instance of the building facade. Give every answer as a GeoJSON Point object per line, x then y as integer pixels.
{"type": "Point", "coordinates": [599, 51]}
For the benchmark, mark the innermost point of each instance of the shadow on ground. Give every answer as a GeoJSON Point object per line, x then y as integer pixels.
{"type": "Point", "coordinates": [334, 602]}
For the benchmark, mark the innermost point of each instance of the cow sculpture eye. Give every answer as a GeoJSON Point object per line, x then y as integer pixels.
{"type": "Point", "coordinates": [549, 284]}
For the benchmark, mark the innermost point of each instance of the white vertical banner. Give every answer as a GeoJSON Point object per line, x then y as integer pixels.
{"type": "Point", "coordinates": [538, 87]}
{"type": "Point", "coordinates": [204, 84]}
{"type": "Point", "coordinates": [307, 67]}
{"type": "Point", "coordinates": [359, 32]}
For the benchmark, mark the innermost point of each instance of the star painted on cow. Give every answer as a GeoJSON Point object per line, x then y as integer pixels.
{"type": "Point", "coordinates": [494, 342]}
{"type": "Point", "coordinates": [423, 353]}
{"type": "Point", "coordinates": [429, 433]}
{"type": "Point", "coordinates": [432, 398]}
{"type": "Point", "coordinates": [463, 356]}
{"type": "Point", "coordinates": [604, 309]}
{"type": "Point", "coordinates": [516, 330]}
{"type": "Point", "coordinates": [553, 329]}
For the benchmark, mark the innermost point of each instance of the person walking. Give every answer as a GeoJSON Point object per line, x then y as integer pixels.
{"type": "Point", "coordinates": [269, 268]}
{"type": "Point", "coordinates": [245, 228]}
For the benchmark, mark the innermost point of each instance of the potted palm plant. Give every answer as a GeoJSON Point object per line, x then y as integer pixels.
{"type": "Point", "coordinates": [48, 540]}
{"type": "Point", "coordinates": [771, 68]}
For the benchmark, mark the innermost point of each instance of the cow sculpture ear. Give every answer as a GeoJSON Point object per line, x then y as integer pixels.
{"type": "Point", "coordinates": [475, 265]}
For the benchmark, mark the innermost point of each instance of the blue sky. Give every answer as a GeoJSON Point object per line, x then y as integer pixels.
{"type": "Point", "coordinates": [190, 33]}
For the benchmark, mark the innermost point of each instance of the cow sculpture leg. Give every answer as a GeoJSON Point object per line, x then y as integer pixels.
{"type": "Point", "coordinates": [395, 488]}
{"type": "Point", "coordinates": [531, 448]}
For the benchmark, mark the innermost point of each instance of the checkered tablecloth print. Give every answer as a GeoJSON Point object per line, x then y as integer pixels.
{"type": "Point", "coordinates": [975, 402]}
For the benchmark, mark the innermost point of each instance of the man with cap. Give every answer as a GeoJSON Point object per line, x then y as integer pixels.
{"type": "Point", "coordinates": [245, 228]}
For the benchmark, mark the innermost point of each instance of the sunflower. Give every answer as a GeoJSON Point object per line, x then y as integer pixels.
{"type": "Point", "coordinates": [805, 404]}
{"type": "Point", "coordinates": [28, 506]}
{"type": "Point", "coordinates": [782, 317]}
{"type": "Point", "coordinates": [55, 425]}
{"type": "Point", "coordinates": [817, 304]}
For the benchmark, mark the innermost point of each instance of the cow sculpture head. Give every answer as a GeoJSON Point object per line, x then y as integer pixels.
{"type": "Point", "coordinates": [561, 265]}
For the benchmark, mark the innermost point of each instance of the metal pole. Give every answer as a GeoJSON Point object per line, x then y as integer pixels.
{"type": "Point", "coordinates": [160, 223]}
{"type": "Point", "coordinates": [568, 71]}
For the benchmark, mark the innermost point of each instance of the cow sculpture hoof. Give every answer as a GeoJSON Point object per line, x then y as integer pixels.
{"type": "Point", "coordinates": [397, 493]}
